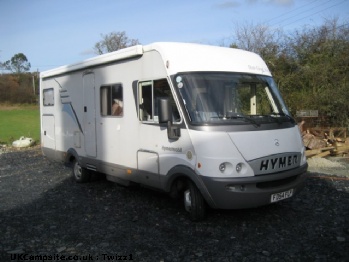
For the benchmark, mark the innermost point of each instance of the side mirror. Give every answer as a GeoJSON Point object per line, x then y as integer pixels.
{"type": "Point", "coordinates": [165, 112]}
{"type": "Point", "coordinates": [165, 116]}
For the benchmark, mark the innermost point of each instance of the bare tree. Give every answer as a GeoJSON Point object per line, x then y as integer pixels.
{"type": "Point", "coordinates": [259, 38]}
{"type": "Point", "coordinates": [113, 42]}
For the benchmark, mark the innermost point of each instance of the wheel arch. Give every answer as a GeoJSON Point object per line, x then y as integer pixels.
{"type": "Point", "coordinates": [176, 180]}
{"type": "Point", "coordinates": [71, 155]}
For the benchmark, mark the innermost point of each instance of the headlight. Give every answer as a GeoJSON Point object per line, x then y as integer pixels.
{"type": "Point", "coordinates": [238, 167]}
{"type": "Point", "coordinates": [227, 168]}
{"type": "Point", "coordinates": [222, 167]}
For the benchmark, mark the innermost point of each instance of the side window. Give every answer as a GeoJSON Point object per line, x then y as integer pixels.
{"type": "Point", "coordinates": [148, 93]}
{"type": "Point", "coordinates": [48, 97]}
{"type": "Point", "coordinates": [112, 103]}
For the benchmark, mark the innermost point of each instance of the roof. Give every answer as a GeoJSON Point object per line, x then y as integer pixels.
{"type": "Point", "coordinates": [179, 57]}
{"type": "Point", "coordinates": [98, 60]}
{"type": "Point", "coordinates": [186, 57]}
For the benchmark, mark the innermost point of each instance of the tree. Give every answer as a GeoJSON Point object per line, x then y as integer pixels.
{"type": "Point", "coordinates": [258, 38]}
{"type": "Point", "coordinates": [113, 42]}
{"type": "Point", "coordinates": [18, 64]}
{"type": "Point", "coordinates": [310, 66]}
{"type": "Point", "coordinates": [322, 55]}
{"type": "Point", "coordinates": [14, 91]}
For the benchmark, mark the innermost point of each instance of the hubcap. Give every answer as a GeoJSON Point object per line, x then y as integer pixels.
{"type": "Point", "coordinates": [187, 200]}
{"type": "Point", "coordinates": [77, 170]}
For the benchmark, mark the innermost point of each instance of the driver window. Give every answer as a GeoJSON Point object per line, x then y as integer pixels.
{"type": "Point", "coordinates": [149, 92]}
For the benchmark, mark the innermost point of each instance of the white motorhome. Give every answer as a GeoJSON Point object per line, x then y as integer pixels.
{"type": "Point", "coordinates": [202, 122]}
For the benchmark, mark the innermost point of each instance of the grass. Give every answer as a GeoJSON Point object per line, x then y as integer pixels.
{"type": "Point", "coordinates": [17, 121]}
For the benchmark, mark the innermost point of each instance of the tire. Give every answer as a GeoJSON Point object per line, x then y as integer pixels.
{"type": "Point", "coordinates": [80, 174]}
{"type": "Point", "coordinates": [194, 203]}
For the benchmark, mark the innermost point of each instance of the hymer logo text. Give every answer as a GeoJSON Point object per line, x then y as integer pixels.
{"type": "Point", "coordinates": [279, 162]}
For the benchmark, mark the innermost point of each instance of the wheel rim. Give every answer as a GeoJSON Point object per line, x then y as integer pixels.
{"type": "Point", "coordinates": [77, 170]}
{"type": "Point", "coordinates": [187, 200]}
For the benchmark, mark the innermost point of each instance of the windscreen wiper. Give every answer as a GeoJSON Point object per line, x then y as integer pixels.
{"type": "Point", "coordinates": [236, 116]}
{"type": "Point", "coordinates": [249, 119]}
{"type": "Point", "coordinates": [275, 117]}
{"type": "Point", "coordinates": [290, 118]}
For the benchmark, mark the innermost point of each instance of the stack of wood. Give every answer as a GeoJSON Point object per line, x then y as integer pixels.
{"type": "Point", "coordinates": [322, 142]}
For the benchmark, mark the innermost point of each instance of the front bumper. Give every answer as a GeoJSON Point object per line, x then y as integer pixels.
{"type": "Point", "coordinates": [249, 192]}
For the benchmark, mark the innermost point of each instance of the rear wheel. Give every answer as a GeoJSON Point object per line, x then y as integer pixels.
{"type": "Point", "coordinates": [80, 174]}
{"type": "Point", "coordinates": [194, 202]}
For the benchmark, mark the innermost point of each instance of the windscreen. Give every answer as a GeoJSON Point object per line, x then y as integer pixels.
{"type": "Point", "coordinates": [231, 98]}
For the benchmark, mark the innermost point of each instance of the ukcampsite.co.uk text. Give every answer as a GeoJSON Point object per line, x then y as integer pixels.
{"type": "Point", "coordinates": [58, 257]}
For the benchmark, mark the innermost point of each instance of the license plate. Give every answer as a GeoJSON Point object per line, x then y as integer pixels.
{"type": "Point", "coordinates": [281, 196]}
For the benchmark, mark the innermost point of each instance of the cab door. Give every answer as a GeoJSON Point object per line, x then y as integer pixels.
{"type": "Point", "coordinates": [151, 155]}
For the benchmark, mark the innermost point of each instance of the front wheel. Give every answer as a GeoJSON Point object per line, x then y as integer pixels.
{"type": "Point", "coordinates": [80, 174]}
{"type": "Point", "coordinates": [194, 202]}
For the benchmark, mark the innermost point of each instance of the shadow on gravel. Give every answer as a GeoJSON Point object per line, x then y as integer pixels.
{"type": "Point", "coordinates": [44, 212]}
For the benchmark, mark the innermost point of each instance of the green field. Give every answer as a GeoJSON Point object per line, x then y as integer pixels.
{"type": "Point", "coordinates": [17, 121]}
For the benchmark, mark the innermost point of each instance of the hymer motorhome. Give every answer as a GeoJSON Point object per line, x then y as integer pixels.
{"type": "Point", "coordinates": [202, 122]}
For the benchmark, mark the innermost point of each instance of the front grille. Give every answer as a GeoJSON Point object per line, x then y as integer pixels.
{"type": "Point", "coordinates": [276, 183]}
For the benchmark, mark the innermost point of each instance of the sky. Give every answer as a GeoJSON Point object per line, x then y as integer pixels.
{"type": "Point", "coordinates": [52, 33]}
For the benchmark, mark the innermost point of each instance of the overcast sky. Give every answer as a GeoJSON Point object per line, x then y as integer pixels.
{"type": "Point", "coordinates": [54, 33]}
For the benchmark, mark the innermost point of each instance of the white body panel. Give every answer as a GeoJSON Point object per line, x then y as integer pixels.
{"type": "Point", "coordinates": [266, 143]}
{"type": "Point", "coordinates": [110, 140]}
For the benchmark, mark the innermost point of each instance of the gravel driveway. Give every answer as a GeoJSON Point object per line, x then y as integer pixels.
{"type": "Point", "coordinates": [44, 214]}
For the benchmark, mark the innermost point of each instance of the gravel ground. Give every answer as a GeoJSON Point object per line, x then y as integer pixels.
{"type": "Point", "coordinates": [44, 214]}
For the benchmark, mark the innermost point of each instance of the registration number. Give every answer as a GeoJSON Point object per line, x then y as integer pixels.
{"type": "Point", "coordinates": [281, 196]}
